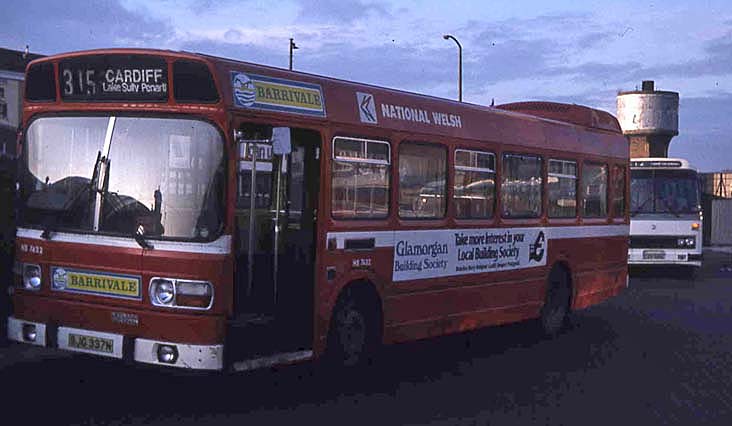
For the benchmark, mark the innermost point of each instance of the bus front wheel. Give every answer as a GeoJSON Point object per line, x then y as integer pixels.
{"type": "Point", "coordinates": [353, 334]}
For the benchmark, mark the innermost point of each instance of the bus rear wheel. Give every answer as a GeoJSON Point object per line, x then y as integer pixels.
{"type": "Point", "coordinates": [353, 334]}
{"type": "Point", "coordinates": [556, 308]}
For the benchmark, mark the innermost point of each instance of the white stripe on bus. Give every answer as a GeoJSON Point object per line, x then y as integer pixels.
{"type": "Point", "coordinates": [221, 245]}
{"type": "Point", "coordinates": [386, 238]}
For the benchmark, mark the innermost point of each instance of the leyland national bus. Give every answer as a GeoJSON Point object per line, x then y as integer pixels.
{"type": "Point", "coordinates": [665, 210]}
{"type": "Point", "coordinates": [184, 210]}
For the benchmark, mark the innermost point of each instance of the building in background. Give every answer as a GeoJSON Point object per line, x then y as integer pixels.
{"type": "Point", "coordinates": [12, 67]}
{"type": "Point", "coordinates": [649, 119]}
{"type": "Point", "coordinates": [717, 206]}
{"type": "Point", "coordinates": [717, 184]}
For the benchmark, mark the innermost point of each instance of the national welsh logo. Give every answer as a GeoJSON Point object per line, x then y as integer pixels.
{"type": "Point", "coordinates": [245, 92]}
{"type": "Point", "coordinates": [366, 108]}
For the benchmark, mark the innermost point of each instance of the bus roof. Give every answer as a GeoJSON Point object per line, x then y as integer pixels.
{"type": "Point", "coordinates": [660, 163]}
{"type": "Point", "coordinates": [298, 97]}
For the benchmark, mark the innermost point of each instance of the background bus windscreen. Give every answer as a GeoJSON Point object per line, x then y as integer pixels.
{"type": "Point", "coordinates": [664, 191]}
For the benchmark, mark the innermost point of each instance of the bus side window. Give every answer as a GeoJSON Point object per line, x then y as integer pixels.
{"type": "Point", "coordinates": [618, 180]}
{"type": "Point", "coordinates": [562, 188]}
{"type": "Point", "coordinates": [521, 192]}
{"type": "Point", "coordinates": [422, 181]}
{"type": "Point", "coordinates": [474, 188]}
{"type": "Point", "coordinates": [360, 178]}
{"type": "Point", "coordinates": [594, 190]}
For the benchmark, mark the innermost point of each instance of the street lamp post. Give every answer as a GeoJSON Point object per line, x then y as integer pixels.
{"type": "Point", "coordinates": [460, 65]}
{"type": "Point", "coordinates": [292, 47]}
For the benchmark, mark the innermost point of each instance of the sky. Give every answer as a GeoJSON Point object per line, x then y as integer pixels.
{"type": "Point", "coordinates": [581, 52]}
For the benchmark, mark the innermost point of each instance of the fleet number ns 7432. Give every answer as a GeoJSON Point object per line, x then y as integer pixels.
{"type": "Point", "coordinates": [30, 248]}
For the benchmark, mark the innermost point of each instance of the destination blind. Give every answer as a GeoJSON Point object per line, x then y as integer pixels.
{"type": "Point", "coordinates": [114, 78]}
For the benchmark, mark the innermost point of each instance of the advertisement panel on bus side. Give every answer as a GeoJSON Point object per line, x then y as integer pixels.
{"type": "Point", "coordinates": [439, 253]}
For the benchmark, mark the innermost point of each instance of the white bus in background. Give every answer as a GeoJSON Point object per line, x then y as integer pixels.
{"type": "Point", "coordinates": [665, 214]}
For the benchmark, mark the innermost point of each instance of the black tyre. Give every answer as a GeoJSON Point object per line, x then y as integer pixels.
{"type": "Point", "coordinates": [692, 273]}
{"type": "Point", "coordinates": [556, 308]}
{"type": "Point", "coordinates": [353, 334]}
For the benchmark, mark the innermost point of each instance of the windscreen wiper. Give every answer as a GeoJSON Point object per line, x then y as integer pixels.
{"type": "Point", "coordinates": [95, 173]}
{"type": "Point", "coordinates": [669, 208]}
{"type": "Point", "coordinates": [48, 230]}
{"type": "Point", "coordinates": [142, 241]}
{"type": "Point", "coordinates": [638, 210]}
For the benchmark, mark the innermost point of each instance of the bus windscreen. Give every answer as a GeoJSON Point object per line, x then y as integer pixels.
{"type": "Point", "coordinates": [162, 174]}
{"type": "Point", "coordinates": [664, 191]}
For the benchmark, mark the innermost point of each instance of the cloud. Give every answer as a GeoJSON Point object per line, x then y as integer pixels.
{"type": "Point", "coordinates": [510, 59]}
{"type": "Point", "coordinates": [601, 73]}
{"type": "Point", "coordinates": [399, 65]}
{"type": "Point", "coordinates": [594, 39]}
{"type": "Point", "coordinates": [717, 61]}
{"type": "Point", "coordinates": [246, 52]}
{"type": "Point", "coordinates": [547, 45]}
{"type": "Point", "coordinates": [54, 26]}
{"type": "Point", "coordinates": [704, 132]}
{"type": "Point", "coordinates": [340, 11]}
{"type": "Point", "coordinates": [233, 35]}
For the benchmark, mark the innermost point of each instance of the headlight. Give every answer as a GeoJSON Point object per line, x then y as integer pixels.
{"type": "Point", "coordinates": [686, 242]}
{"type": "Point", "coordinates": [167, 354]}
{"type": "Point", "coordinates": [193, 294]}
{"type": "Point", "coordinates": [162, 292]}
{"type": "Point", "coordinates": [186, 294]}
{"type": "Point", "coordinates": [31, 276]}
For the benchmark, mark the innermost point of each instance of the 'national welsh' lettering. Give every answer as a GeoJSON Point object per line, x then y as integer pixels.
{"type": "Point", "coordinates": [417, 115]}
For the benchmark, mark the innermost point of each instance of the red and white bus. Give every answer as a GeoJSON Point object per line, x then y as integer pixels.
{"type": "Point", "coordinates": [185, 210]}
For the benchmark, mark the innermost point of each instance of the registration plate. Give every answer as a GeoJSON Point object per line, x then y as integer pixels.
{"type": "Point", "coordinates": [654, 254]}
{"type": "Point", "coordinates": [91, 343]}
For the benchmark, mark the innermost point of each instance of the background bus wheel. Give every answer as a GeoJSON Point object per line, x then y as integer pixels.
{"type": "Point", "coordinates": [556, 308]}
{"type": "Point", "coordinates": [353, 332]}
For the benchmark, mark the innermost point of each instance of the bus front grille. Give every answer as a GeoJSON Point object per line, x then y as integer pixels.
{"type": "Point", "coordinates": [656, 241]}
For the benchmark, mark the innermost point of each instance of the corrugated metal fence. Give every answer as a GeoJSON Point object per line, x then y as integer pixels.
{"type": "Point", "coordinates": [721, 222]}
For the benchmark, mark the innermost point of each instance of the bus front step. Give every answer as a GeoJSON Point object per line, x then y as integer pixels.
{"type": "Point", "coordinates": [261, 337]}
{"type": "Point", "coordinates": [252, 319]}
{"type": "Point", "coordinates": [272, 360]}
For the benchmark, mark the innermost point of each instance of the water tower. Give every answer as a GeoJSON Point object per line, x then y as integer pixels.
{"type": "Point", "coordinates": [649, 118]}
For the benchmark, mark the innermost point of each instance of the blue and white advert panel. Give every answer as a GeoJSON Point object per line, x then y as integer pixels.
{"type": "Point", "coordinates": [277, 94]}
{"type": "Point", "coordinates": [441, 253]}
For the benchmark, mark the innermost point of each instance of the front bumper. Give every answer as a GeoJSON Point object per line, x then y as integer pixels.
{"type": "Point", "coordinates": [197, 357]}
{"type": "Point", "coordinates": [639, 256]}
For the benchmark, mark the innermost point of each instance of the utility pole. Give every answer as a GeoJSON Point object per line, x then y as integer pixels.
{"type": "Point", "coordinates": [292, 47]}
{"type": "Point", "coordinates": [460, 65]}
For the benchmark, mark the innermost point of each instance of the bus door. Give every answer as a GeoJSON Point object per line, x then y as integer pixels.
{"type": "Point", "coordinates": [277, 192]}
